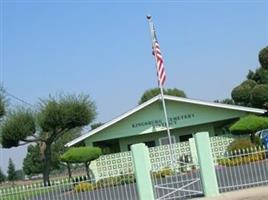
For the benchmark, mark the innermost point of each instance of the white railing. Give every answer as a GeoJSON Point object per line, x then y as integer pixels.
{"type": "Point", "coordinates": [118, 187]}
{"type": "Point", "coordinates": [242, 169]}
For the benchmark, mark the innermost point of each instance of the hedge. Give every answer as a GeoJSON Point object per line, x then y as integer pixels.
{"type": "Point", "coordinates": [249, 124]}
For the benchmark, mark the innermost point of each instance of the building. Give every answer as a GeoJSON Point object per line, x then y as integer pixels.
{"type": "Point", "coordinates": [146, 123]}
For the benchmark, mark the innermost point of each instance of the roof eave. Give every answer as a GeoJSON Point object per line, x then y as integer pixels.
{"type": "Point", "coordinates": [219, 105]}
{"type": "Point", "coordinates": [167, 97]}
{"type": "Point", "coordinates": [109, 123]}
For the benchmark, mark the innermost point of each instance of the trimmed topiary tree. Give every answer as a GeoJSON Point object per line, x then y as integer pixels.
{"type": "Point", "coordinates": [249, 124]}
{"type": "Point", "coordinates": [259, 95]}
{"type": "Point", "coordinates": [260, 76]}
{"type": "Point", "coordinates": [254, 92]}
{"type": "Point", "coordinates": [241, 94]}
{"type": "Point", "coordinates": [80, 155]}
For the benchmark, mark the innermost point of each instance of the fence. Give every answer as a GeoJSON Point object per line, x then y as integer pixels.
{"type": "Point", "coordinates": [171, 173]}
{"type": "Point", "coordinates": [219, 145]}
{"type": "Point", "coordinates": [242, 169]}
{"type": "Point", "coordinates": [113, 165]}
{"type": "Point", "coordinates": [118, 187]}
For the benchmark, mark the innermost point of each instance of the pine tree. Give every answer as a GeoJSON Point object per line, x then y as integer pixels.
{"type": "Point", "coordinates": [11, 172]}
{"type": "Point", "coordinates": [2, 176]}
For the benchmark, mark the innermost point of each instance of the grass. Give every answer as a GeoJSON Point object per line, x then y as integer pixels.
{"type": "Point", "coordinates": [20, 193]}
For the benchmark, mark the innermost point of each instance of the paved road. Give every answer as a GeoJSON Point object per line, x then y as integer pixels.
{"type": "Point", "coordinates": [256, 193]}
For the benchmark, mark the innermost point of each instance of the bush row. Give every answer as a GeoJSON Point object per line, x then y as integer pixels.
{"type": "Point", "coordinates": [105, 182]}
{"type": "Point", "coordinates": [239, 160]}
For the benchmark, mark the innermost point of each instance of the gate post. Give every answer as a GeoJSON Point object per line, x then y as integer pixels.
{"type": "Point", "coordinates": [207, 169]}
{"type": "Point", "coordinates": [193, 150]}
{"type": "Point", "coordinates": [142, 165]}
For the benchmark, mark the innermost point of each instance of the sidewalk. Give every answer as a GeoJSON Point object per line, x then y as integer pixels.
{"type": "Point", "coordinates": [257, 193]}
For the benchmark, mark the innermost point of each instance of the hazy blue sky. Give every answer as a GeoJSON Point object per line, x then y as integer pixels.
{"type": "Point", "coordinates": [104, 50]}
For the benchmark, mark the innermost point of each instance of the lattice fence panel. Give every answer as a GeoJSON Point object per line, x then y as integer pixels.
{"type": "Point", "coordinates": [114, 164]}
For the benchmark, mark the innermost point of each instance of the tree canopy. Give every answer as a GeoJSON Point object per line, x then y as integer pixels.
{"type": "Point", "coordinates": [55, 117]}
{"type": "Point", "coordinates": [259, 95]}
{"type": "Point", "coordinates": [150, 93]}
{"type": "Point", "coordinates": [254, 90]}
{"type": "Point", "coordinates": [263, 57]}
{"type": "Point", "coordinates": [18, 125]}
{"type": "Point", "coordinates": [249, 124]}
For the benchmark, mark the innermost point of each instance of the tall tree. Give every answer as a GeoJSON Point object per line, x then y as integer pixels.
{"type": "Point", "coordinates": [2, 176]}
{"type": "Point", "coordinates": [55, 117]}
{"type": "Point", "coordinates": [32, 163]}
{"type": "Point", "coordinates": [11, 171]}
{"type": "Point", "coordinates": [148, 94]}
{"type": "Point", "coordinates": [254, 90]}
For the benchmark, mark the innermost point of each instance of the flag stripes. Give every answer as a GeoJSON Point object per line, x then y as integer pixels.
{"type": "Point", "coordinates": [159, 63]}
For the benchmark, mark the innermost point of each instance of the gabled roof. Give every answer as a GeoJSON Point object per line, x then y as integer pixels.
{"type": "Point", "coordinates": [166, 97]}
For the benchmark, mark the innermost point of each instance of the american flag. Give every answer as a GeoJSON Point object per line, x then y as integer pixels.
{"type": "Point", "coordinates": [159, 62]}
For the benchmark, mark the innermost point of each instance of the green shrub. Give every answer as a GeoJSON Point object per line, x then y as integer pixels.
{"type": "Point", "coordinates": [105, 182]}
{"type": "Point", "coordinates": [242, 151]}
{"type": "Point", "coordinates": [127, 179]}
{"type": "Point", "coordinates": [239, 160]}
{"type": "Point", "coordinates": [116, 180]}
{"type": "Point", "coordinates": [83, 187]}
{"type": "Point", "coordinates": [249, 124]}
{"type": "Point", "coordinates": [108, 182]}
{"type": "Point", "coordinates": [239, 144]}
{"type": "Point", "coordinates": [166, 171]}
{"type": "Point", "coordinates": [256, 140]}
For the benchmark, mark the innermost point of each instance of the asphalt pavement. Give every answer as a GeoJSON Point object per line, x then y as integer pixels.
{"type": "Point", "coordinates": [256, 193]}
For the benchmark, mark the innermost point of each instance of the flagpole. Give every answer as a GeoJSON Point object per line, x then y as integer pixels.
{"type": "Point", "coordinates": [160, 85]}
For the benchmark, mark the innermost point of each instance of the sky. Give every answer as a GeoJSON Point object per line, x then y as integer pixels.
{"type": "Point", "coordinates": [103, 48]}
